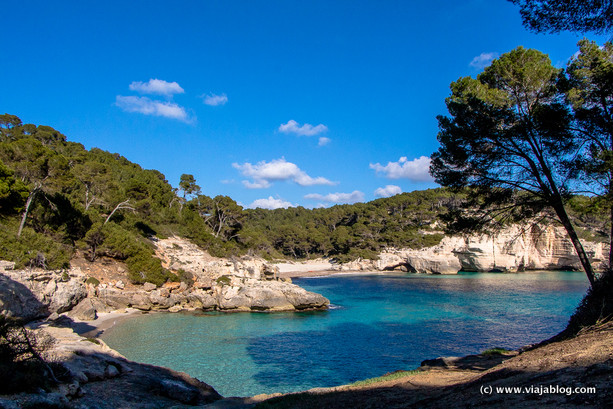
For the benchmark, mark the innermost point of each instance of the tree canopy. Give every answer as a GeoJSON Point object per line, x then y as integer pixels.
{"type": "Point", "coordinates": [567, 15]}
{"type": "Point", "coordinates": [507, 133]}
{"type": "Point", "coordinates": [68, 199]}
{"type": "Point", "coordinates": [590, 94]}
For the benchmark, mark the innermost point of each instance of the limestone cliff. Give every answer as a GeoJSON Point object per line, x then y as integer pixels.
{"type": "Point", "coordinates": [516, 248]}
{"type": "Point", "coordinates": [245, 284]}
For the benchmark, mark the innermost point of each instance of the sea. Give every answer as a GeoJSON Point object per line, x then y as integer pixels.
{"type": "Point", "coordinates": [376, 324]}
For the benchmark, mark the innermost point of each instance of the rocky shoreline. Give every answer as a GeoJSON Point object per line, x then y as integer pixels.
{"type": "Point", "coordinates": [514, 249]}
{"type": "Point", "coordinates": [74, 306]}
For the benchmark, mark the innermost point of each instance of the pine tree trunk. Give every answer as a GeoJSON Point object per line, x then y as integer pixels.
{"type": "Point", "coordinates": [572, 234]}
{"type": "Point", "coordinates": [610, 268]}
{"type": "Point", "coordinates": [24, 216]}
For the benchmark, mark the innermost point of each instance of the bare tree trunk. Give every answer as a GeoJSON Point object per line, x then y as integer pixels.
{"type": "Point", "coordinates": [24, 216]}
{"type": "Point", "coordinates": [610, 268]}
{"type": "Point", "coordinates": [122, 205]}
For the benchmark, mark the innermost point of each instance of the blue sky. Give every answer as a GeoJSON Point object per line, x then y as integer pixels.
{"type": "Point", "coordinates": [273, 103]}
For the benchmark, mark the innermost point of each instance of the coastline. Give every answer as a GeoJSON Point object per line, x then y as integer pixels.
{"type": "Point", "coordinates": [104, 322]}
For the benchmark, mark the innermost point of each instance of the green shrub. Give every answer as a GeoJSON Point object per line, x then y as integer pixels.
{"type": "Point", "coordinates": [224, 280]}
{"type": "Point", "coordinates": [145, 267]}
{"type": "Point", "coordinates": [596, 306]}
{"type": "Point", "coordinates": [33, 249]}
{"type": "Point", "coordinates": [93, 280]}
{"type": "Point", "coordinates": [386, 377]}
{"type": "Point", "coordinates": [495, 351]}
{"type": "Point", "coordinates": [120, 243]}
{"type": "Point", "coordinates": [185, 277]}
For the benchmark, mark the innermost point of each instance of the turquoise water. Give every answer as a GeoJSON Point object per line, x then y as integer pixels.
{"type": "Point", "coordinates": [377, 324]}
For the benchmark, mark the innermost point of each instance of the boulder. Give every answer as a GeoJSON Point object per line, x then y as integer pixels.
{"type": "Point", "coordinates": [149, 287]}
{"type": "Point", "coordinates": [32, 294]}
{"type": "Point", "coordinates": [67, 295]}
{"type": "Point", "coordinates": [18, 301]}
{"type": "Point", "coordinates": [84, 311]}
{"type": "Point", "coordinates": [178, 391]}
{"type": "Point", "coordinates": [258, 295]}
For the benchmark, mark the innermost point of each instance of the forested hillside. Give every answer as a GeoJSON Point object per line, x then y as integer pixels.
{"type": "Point", "coordinates": [56, 198]}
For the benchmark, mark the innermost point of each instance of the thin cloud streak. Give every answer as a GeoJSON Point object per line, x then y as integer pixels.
{"type": "Point", "coordinates": [353, 197]}
{"type": "Point", "coordinates": [483, 60]}
{"type": "Point", "coordinates": [305, 130]}
{"type": "Point", "coordinates": [146, 106]}
{"type": "Point", "coordinates": [215, 100]}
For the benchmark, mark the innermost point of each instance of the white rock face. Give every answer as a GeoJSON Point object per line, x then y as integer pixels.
{"type": "Point", "coordinates": [517, 248]}
{"type": "Point", "coordinates": [177, 253]}
{"type": "Point", "coordinates": [37, 293]}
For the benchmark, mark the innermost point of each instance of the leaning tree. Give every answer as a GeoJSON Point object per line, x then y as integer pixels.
{"type": "Point", "coordinates": [507, 132]}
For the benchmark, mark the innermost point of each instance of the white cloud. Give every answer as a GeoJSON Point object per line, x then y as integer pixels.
{"type": "Point", "coordinates": [305, 130]}
{"type": "Point", "coordinates": [353, 197]}
{"type": "Point", "coordinates": [264, 172]}
{"type": "Point", "coordinates": [483, 60]}
{"type": "Point", "coordinates": [388, 191]}
{"type": "Point", "coordinates": [323, 141]}
{"type": "Point", "coordinates": [262, 184]}
{"type": "Point", "coordinates": [271, 203]}
{"type": "Point", "coordinates": [215, 100]}
{"type": "Point", "coordinates": [417, 170]}
{"type": "Point", "coordinates": [155, 86]}
{"type": "Point", "coordinates": [147, 106]}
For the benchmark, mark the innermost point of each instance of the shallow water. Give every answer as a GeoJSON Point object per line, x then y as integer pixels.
{"type": "Point", "coordinates": [377, 324]}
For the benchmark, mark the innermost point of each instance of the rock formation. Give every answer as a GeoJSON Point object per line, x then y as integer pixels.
{"type": "Point", "coordinates": [246, 284]}
{"type": "Point", "coordinates": [95, 376]}
{"type": "Point", "coordinates": [32, 294]}
{"type": "Point", "coordinates": [517, 248]}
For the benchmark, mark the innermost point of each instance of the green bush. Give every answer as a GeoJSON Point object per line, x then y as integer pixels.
{"type": "Point", "coordinates": [595, 308]}
{"type": "Point", "coordinates": [145, 267]}
{"type": "Point", "coordinates": [185, 277]}
{"type": "Point", "coordinates": [33, 249]}
{"type": "Point", "coordinates": [495, 351]}
{"type": "Point", "coordinates": [120, 243]}
{"type": "Point", "coordinates": [93, 280]}
{"type": "Point", "coordinates": [224, 280]}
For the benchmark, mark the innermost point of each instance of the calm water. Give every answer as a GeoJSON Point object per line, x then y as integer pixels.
{"type": "Point", "coordinates": [377, 324]}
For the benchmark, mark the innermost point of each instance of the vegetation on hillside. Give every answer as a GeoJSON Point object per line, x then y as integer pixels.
{"type": "Point", "coordinates": [56, 198]}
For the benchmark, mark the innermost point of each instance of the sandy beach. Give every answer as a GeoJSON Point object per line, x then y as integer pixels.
{"type": "Point", "coordinates": [310, 268]}
{"type": "Point", "coordinates": [105, 320]}
{"type": "Point", "coordinates": [317, 268]}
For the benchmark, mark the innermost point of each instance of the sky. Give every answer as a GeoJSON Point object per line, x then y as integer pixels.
{"type": "Point", "coordinates": [273, 103]}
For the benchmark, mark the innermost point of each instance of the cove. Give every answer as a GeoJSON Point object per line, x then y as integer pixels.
{"type": "Point", "coordinates": [377, 324]}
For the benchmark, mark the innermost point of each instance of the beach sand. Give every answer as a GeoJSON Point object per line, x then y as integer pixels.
{"type": "Point", "coordinates": [311, 268]}
{"type": "Point", "coordinates": [105, 320]}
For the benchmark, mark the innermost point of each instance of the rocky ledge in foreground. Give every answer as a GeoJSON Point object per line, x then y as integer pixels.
{"type": "Point", "coordinates": [94, 376]}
